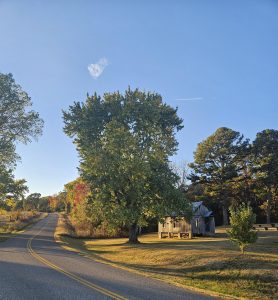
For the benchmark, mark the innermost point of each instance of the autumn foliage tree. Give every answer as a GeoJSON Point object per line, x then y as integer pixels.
{"type": "Point", "coordinates": [52, 203]}
{"type": "Point", "coordinates": [77, 193]}
{"type": "Point", "coordinates": [83, 215]}
{"type": "Point", "coordinates": [57, 202]}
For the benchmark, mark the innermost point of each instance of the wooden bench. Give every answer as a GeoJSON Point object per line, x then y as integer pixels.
{"type": "Point", "coordinates": [265, 228]}
{"type": "Point", "coordinates": [175, 234]}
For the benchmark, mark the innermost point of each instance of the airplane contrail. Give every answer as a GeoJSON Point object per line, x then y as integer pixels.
{"type": "Point", "coordinates": [190, 99]}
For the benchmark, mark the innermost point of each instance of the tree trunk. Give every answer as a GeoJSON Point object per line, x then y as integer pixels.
{"type": "Point", "coordinates": [225, 204]}
{"type": "Point", "coordinates": [225, 216]}
{"type": "Point", "coordinates": [133, 234]}
{"type": "Point", "coordinates": [268, 208]}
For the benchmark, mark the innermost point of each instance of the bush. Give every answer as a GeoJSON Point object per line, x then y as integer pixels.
{"type": "Point", "coordinates": [242, 221]}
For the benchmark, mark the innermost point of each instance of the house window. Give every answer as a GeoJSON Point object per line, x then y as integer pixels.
{"type": "Point", "coordinates": [197, 223]}
{"type": "Point", "coordinates": [164, 225]}
{"type": "Point", "coordinates": [174, 224]}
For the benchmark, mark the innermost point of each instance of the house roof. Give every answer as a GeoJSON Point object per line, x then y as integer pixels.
{"type": "Point", "coordinates": [204, 213]}
{"type": "Point", "coordinates": [195, 205]}
{"type": "Point", "coordinates": [208, 214]}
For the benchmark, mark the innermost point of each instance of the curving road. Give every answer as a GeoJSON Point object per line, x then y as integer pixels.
{"type": "Point", "coordinates": [34, 266]}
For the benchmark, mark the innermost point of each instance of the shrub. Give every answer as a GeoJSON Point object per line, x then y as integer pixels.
{"type": "Point", "coordinates": [242, 221]}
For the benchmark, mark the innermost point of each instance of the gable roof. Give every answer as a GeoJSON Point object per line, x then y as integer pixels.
{"type": "Point", "coordinates": [204, 211]}
{"type": "Point", "coordinates": [195, 205]}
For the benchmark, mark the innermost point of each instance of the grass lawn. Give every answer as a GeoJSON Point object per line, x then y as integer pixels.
{"type": "Point", "coordinates": [5, 233]}
{"type": "Point", "coordinates": [212, 264]}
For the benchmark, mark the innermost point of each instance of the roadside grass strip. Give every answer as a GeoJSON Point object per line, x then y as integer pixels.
{"type": "Point", "coordinates": [69, 274]}
{"type": "Point", "coordinates": [6, 235]}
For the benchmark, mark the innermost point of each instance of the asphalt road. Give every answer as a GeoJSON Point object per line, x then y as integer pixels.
{"type": "Point", "coordinates": [34, 266]}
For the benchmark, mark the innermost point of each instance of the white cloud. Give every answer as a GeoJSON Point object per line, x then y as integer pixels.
{"type": "Point", "coordinates": [97, 68]}
{"type": "Point", "coordinates": [190, 99]}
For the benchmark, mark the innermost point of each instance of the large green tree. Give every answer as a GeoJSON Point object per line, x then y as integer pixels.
{"type": "Point", "coordinates": [11, 187]}
{"type": "Point", "coordinates": [265, 149]}
{"type": "Point", "coordinates": [18, 189]}
{"type": "Point", "coordinates": [243, 185]}
{"type": "Point", "coordinates": [216, 165]}
{"type": "Point", "coordinates": [18, 123]}
{"type": "Point", "coordinates": [32, 201]}
{"type": "Point", "coordinates": [43, 204]}
{"type": "Point", "coordinates": [124, 141]}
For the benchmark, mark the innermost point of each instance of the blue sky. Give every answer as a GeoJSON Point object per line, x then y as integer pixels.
{"type": "Point", "coordinates": [225, 53]}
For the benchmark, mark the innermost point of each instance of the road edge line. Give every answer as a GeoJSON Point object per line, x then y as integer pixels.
{"type": "Point", "coordinates": [79, 279]}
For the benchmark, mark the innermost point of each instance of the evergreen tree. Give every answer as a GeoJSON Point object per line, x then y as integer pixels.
{"type": "Point", "coordinates": [215, 166]}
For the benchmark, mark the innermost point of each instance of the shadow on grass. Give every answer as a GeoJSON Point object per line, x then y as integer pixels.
{"type": "Point", "coordinates": [229, 272]}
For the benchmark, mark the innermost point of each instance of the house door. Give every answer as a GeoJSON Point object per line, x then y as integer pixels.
{"type": "Point", "coordinates": [207, 224]}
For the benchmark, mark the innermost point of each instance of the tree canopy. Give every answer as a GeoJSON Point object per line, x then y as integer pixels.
{"type": "Point", "coordinates": [18, 123]}
{"type": "Point", "coordinates": [124, 142]}
{"type": "Point", "coordinates": [242, 221]}
{"type": "Point", "coordinates": [265, 149]}
{"type": "Point", "coordinates": [215, 165]}
{"type": "Point", "coordinates": [230, 170]}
